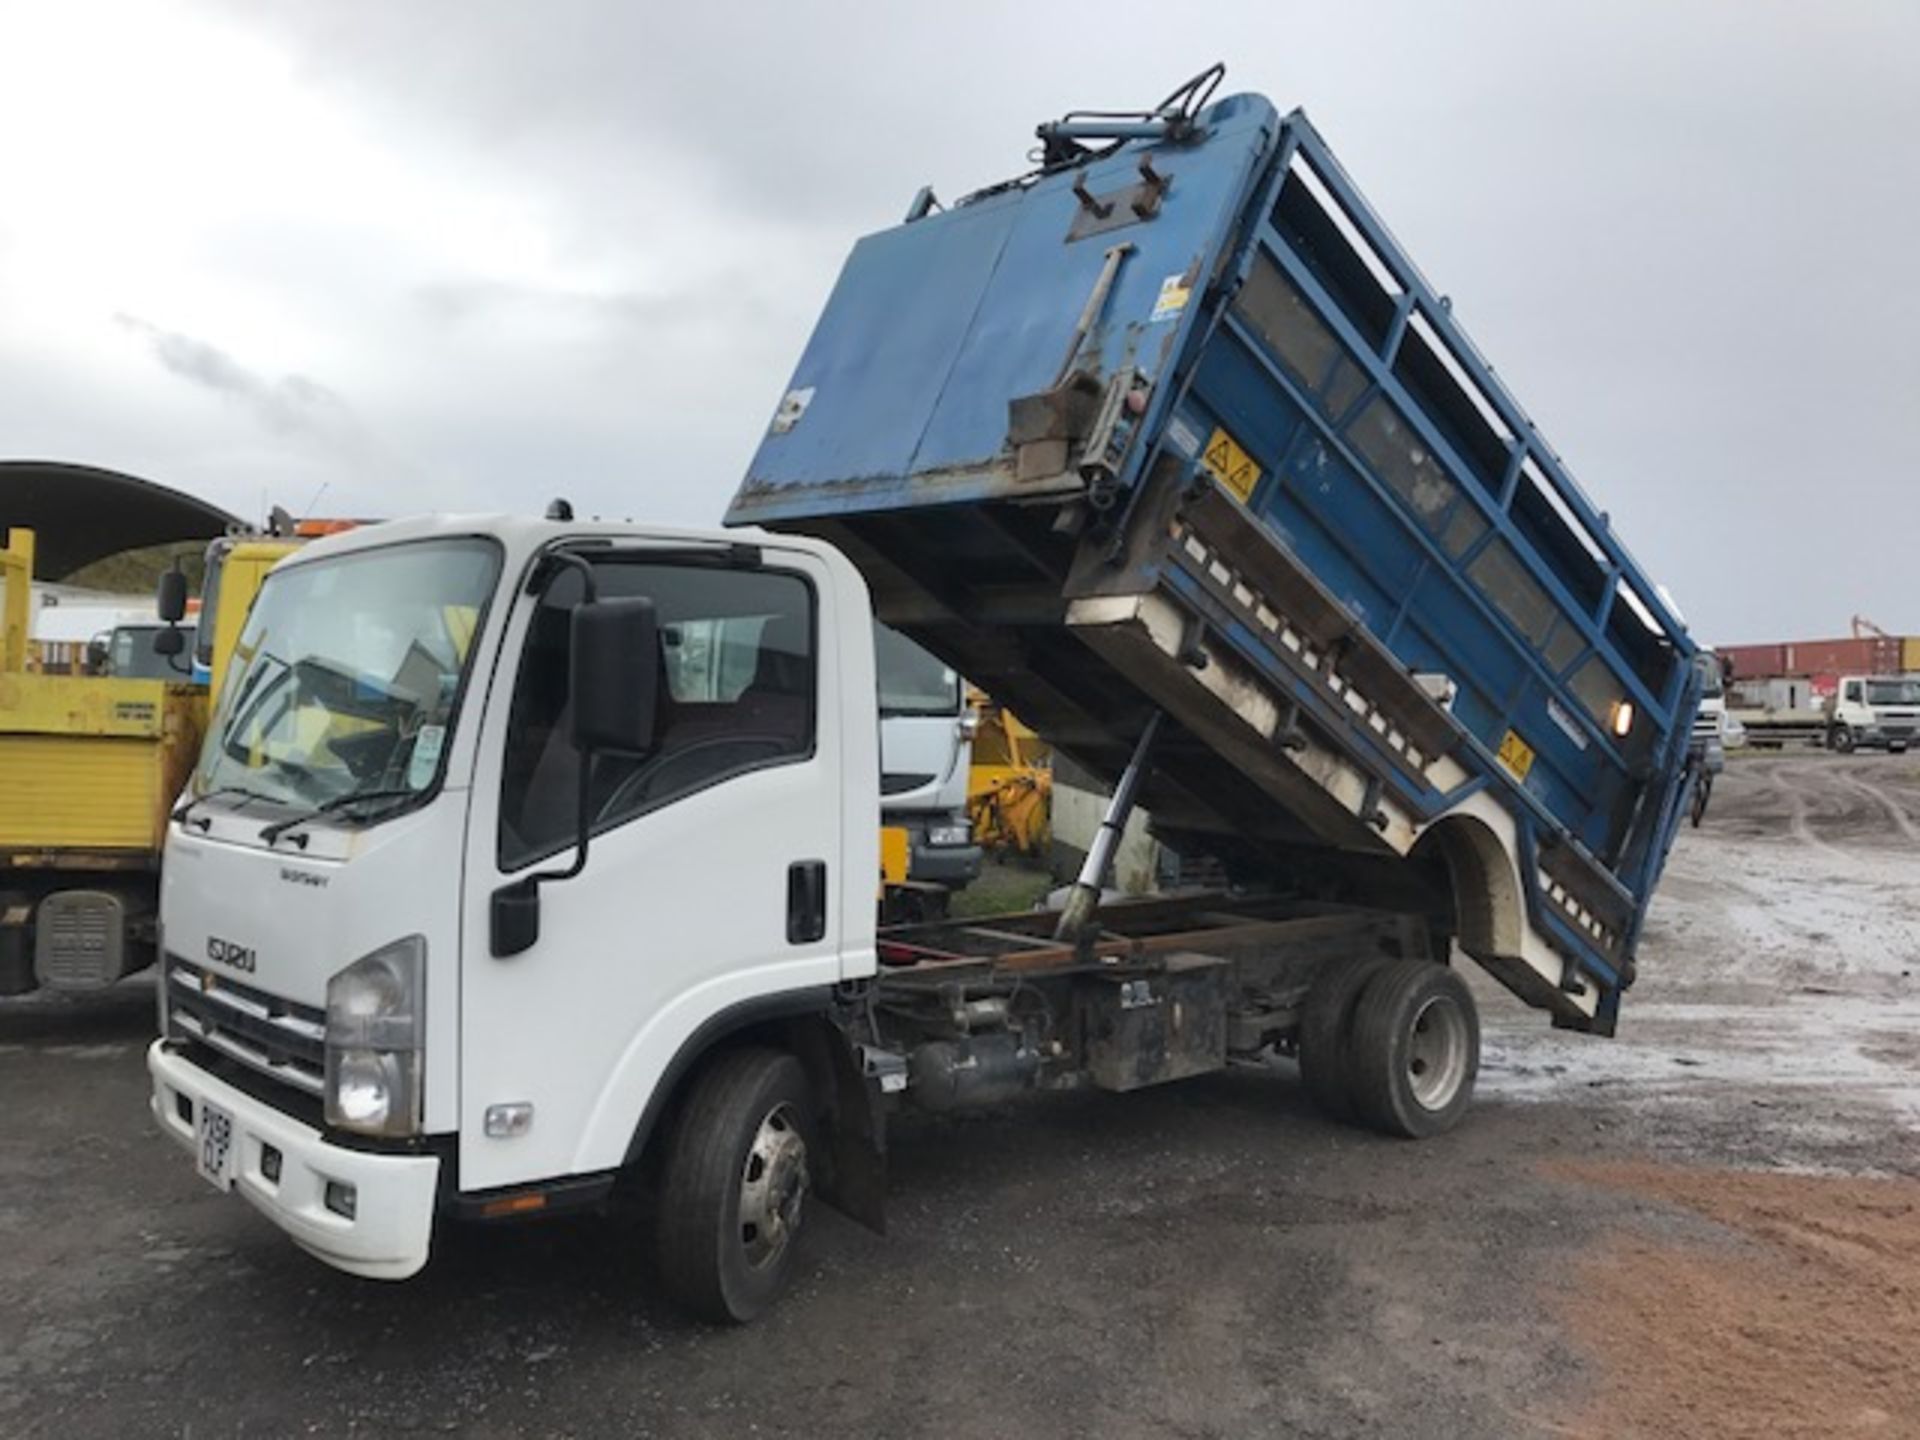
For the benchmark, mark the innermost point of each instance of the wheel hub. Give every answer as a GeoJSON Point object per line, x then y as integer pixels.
{"type": "Point", "coordinates": [1437, 1054]}
{"type": "Point", "coordinates": [773, 1187]}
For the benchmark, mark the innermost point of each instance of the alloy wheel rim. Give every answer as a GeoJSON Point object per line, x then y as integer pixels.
{"type": "Point", "coordinates": [773, 1187]}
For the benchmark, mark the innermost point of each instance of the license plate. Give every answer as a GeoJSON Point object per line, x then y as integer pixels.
{"type": "Point", "coordinates": [215, 1127]}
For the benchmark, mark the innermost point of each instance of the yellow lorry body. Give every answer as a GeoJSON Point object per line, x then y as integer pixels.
{"type": "Point", "coordinates": [88, 768]}
{"type": "Point", "coordinates": [91, 765]}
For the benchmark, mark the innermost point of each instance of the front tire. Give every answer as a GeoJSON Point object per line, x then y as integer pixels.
{"type": "Point", "coordinates": [1702, 793]}
{"type": "Point", "coordinates": [734, 1185]}
{"type": "Point", "coordinates": [1415, 1050]}
{"type": "Point", "coordinates": [1840, 740]}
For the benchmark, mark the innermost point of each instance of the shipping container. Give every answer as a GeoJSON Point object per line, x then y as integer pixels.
{"type": "Point", "coordinates": [1753, 662]}
{"type": "Point", "coordinates": [1861, 655]}
{"type": "Point", "coordinates": [1910, 654]}
{"type": "Point", "coordinates": [1864, 655]}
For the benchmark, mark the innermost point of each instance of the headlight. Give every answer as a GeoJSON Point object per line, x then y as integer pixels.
{"type": "Point", "coordinates": [949, 834]}
{"type": "Point", "coordinates": [376, 1031]}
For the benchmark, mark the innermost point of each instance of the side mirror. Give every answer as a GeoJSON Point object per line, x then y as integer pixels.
{"type": "Point", "coordinates": [97, 657]}
{"type": "Point", "coordinates": [170, 642]}
{"type": "Point", "coordinates": [615, 677]}
{"type": "Point", "coordinates": [170, 596]}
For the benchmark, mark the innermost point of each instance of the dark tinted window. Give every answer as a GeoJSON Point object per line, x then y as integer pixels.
{"type": "Point", "coordinates": [737, 668]}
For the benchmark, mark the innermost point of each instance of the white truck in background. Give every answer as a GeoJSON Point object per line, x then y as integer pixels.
{"type": "Point", "coordinates": [926, 753]}
{"type": "Point", "coordinates": [1873, 712]}
{"type": "Point", "coordinates": [1843, 713]}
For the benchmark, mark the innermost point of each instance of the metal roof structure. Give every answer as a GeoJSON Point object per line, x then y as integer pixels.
{"type": "Point", "coordinates": [81, 513]}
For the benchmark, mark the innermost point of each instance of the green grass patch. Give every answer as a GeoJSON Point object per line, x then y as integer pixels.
{"type": "Point", "coordinates": [1003, 887]}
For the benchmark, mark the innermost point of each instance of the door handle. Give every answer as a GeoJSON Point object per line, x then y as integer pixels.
{"type": "Point", "coordinates": [806, 901]}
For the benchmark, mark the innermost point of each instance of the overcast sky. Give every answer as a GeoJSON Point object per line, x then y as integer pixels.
{"type": "Point", "coordinates": [475, 253]}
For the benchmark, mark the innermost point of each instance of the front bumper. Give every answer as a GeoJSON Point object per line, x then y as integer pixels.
{"type": "Point", "coordinates": [954, 866]}
{"type": "Point", "coordinates": [392, 1225]}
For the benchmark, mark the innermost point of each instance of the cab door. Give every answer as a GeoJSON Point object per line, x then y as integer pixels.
{"type": "Point", "coordinates": [709, 880]}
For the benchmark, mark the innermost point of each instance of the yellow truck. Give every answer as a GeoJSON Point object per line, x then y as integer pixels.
{"type": "Point", "coordinates": [88, 768]}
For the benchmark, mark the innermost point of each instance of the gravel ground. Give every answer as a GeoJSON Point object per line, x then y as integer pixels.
{"type": "Point", "coordinates": [1705, 1227]}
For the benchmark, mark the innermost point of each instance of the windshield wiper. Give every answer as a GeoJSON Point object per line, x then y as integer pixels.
{"type": "Point", "coordinates": [186, 807]}
{"type": "Point", "coordinates": [271, 833]}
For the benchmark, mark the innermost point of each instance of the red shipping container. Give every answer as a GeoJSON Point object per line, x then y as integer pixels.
{"type": "Point", "coordinates": [1753, 662]}
{"type": "Point", "coordinates": [1868, 655]}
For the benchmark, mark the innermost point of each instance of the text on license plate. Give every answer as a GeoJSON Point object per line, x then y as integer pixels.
{"type": "Point", "coordinates": [214, 1127]}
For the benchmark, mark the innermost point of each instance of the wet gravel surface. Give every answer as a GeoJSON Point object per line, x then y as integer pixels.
{"type": "Point", "coordinates": [1212, 1259]}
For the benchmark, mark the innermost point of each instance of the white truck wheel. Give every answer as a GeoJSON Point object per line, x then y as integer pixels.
{"type": "Point", "coordinates": [735, 1183]}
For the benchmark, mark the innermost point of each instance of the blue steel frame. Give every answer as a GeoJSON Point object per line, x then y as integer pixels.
{"type": "Point", "coordinates": [1226, 254]}
{"type": "Point", "coordinates": [1650, 836]}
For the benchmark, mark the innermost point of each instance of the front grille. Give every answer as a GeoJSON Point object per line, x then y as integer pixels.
{"type": "Point", "coordinates": [281, 1039]}
{"type": "Point", "coordinates": [81, 940]}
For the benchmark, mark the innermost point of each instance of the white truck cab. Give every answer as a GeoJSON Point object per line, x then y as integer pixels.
{"type": "Point", "coordinates": [1874, 710]}
{"type": "Point", "coordinates": [398, 982]}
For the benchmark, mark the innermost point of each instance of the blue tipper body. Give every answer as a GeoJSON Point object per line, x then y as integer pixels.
{"type": "Point", "coordinates": [1197, 367]}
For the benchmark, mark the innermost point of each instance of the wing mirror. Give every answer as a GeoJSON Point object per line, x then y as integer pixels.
{"type": "Point", "coordinates": [170, 597]}
{"type": "Point", "coordinates": [615, 676]}
{"type": "Point", "coordinates": [170, 600]}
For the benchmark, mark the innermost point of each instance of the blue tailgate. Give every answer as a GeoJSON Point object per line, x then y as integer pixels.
{"type": "Point", "coordinates": [901, 396]}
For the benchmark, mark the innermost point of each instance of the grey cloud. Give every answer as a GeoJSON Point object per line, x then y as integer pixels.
{"type": "Point", "coordinates": [292, 405]}
{"type": "Point", "coordinates": [1671, 227]}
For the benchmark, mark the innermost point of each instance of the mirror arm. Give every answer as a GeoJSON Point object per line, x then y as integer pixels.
{"type": "Point", "coordinates": [585, 827]}
{"type": "Point", "coordinates": [588, 591]}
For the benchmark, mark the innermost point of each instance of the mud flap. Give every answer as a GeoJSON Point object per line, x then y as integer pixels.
{"type": "Point", "coordinates": [853, 1177]}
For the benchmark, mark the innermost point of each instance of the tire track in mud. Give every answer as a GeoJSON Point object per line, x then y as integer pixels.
{"type": "Point", "coordinates": [1789, 781]}
{"type": "Point", "coordinates": [1896, 812]}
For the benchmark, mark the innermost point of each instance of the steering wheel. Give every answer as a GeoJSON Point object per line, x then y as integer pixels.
{"type": "Point", "coordinates": [637, 788]}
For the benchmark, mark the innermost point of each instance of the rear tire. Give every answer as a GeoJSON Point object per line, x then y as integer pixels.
{"type": "Point", "coordinates": [1326, 1027]}
{"type": "Point", "coordinates": [734, 1184]}
{"type": "Point", "coordinates": [1415, 1050]}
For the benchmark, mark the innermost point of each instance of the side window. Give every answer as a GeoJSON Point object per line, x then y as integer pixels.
{"type": "Point", "coordinates": [737, 668]}
{"type": "Point", "coordinates": [1853, 692]}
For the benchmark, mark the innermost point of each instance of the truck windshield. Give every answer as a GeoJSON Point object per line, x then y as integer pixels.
{"type": "Point", "coordinates": [345, 680]}
{"type": "Point", "coordinates": [1893, 692]}
{"type": "Point", "coordinates": [912, 682]}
